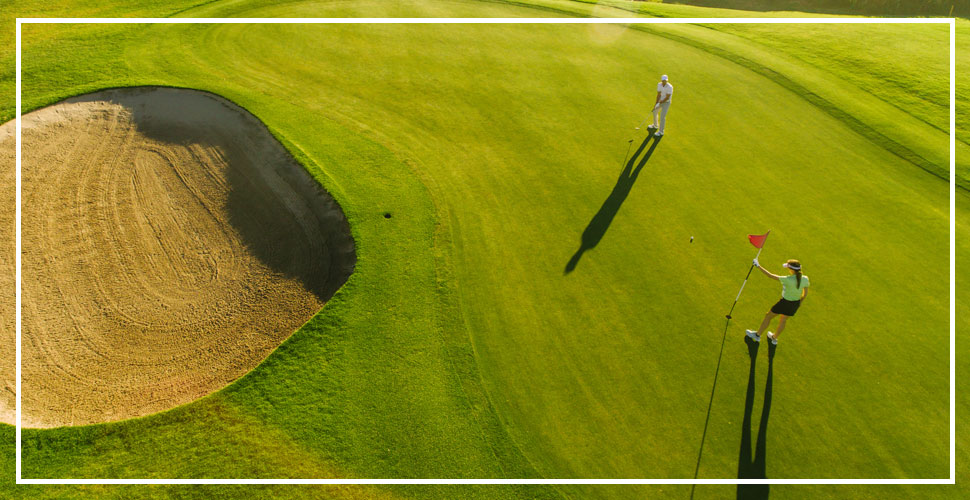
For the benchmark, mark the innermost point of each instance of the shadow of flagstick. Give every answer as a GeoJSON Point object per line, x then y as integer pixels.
{"type": "Point", "coordinates": [707, 420]}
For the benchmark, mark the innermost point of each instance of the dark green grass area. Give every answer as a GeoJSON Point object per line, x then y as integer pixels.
{"type": "Point", "coordinates": [938, 8]}
{"type": "Point", "coordinates": [534, 306]}
{"type": "Point", "coordinates": [878, 60]}
{"type": "Point", "coordinates": [801, 8]}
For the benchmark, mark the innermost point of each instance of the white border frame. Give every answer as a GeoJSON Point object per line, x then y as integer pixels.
{"type": "Point", "coordinates": [17, 258]}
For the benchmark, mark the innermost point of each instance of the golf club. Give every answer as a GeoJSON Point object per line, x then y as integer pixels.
{"type": "Point", "coordinates": [629, 145]}
{"type": "Point", "coordinates": [647, 118]}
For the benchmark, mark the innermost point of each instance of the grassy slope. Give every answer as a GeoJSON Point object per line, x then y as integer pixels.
{"type": "Point", "coordinates": [876, 58]}
{"type": "Point", "coordinates": [919, 89]}
{"type": "Point", "coordinates": [488, 240]}
{"type": "Point", "coordinates": [874, 77]}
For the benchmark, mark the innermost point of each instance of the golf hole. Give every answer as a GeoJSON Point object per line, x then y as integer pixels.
{"type": "Point", "coordinates": [387, 215]}
{"type": "Point", "coordinates": [170, 244]}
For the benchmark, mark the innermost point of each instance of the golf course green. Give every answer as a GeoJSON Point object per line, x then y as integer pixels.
{"type": "Point", "coordinates": [540, 289]}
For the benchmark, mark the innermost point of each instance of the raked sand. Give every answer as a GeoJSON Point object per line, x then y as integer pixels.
{"type": "Point", "coordinates": [170, 243]}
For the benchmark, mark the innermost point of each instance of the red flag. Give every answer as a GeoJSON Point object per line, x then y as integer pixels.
{"type": "Point", "coordinates": [758, 240]}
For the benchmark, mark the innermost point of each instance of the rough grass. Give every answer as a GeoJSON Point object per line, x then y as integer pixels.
{"type": "Point", "coordinates": [460, 347]}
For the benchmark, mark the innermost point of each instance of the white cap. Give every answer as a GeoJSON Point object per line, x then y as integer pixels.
{"type": "Point", "coordinates": [793, 267]}
{"type": "Point", "coordinates": [663, 78]}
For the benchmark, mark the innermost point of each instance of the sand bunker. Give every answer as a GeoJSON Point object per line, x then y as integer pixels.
{"type": "Point", "coordinates": [170, 243]}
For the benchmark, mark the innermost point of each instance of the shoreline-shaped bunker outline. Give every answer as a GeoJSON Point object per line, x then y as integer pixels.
{"type": "Point", "coordinates": [198, 188]}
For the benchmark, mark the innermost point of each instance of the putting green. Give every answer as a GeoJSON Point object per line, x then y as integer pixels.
{"type": "Point", "coordinates": [462, 347]}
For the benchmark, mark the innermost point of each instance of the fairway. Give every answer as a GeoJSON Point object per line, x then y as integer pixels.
{"type": "Point", "coordinates": [538, 290]}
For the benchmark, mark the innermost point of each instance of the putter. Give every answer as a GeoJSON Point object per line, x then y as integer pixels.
{"type": "Point", "coordinates": [647, 118]}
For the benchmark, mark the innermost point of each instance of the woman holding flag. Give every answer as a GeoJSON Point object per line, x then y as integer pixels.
{"type": "Point", "coordinates": [794, 289]}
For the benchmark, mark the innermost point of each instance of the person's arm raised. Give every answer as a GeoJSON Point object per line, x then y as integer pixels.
{"type": "Point", "coordinates": [767, 273]}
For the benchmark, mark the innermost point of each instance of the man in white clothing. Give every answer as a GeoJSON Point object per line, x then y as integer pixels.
{"type": "Point", "coordinates": [664, 92]}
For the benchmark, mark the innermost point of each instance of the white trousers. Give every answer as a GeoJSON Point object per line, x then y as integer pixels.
{"type": "Point", "coordinates": [662, 109]}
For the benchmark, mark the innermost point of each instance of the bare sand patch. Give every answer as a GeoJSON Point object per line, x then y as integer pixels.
{"type": "Point", "coordinates": [170, 243]}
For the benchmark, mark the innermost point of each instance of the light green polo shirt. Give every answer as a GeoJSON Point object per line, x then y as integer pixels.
{"type": "Point", "coordinates": [788, 290]}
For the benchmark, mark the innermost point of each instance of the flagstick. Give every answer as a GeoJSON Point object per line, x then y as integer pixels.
{"type": "Point", "coordinates": [728, 316]}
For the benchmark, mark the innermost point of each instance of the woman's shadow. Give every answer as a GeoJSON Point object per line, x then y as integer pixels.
{"type": "Point", "coordinates": [601, 221]}
{"type": "Point", "coordinates": [755, 467]}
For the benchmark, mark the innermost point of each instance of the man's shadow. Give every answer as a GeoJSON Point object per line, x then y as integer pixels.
{"type": "Point", "coordinates": [601, 221]}
{"type": "Point", "coordinates": [755, 467]}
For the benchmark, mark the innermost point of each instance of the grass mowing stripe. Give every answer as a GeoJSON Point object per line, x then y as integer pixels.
{"type": "Point", "coordinates": [717, 370]}
{"type": "Point", "coordinates": [941, 171]}
{"type": "Point", "coordinates": [857, 125]}
{"type": "Point", "coordinates": [192, 7]}
{"type": "Point", "coordinates": [869, 70]}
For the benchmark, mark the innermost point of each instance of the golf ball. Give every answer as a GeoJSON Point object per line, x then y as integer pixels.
{"type": "Point", "coordinates": [691, 239]}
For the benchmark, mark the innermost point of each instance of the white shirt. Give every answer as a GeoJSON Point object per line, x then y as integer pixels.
{"type": "Point", "coordinates": [665, 90]}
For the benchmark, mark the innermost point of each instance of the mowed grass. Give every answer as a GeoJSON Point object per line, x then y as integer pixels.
{"type": "Point", "coordinates": [461, 347]}
{"type": "Point", "coordinates": [871, 77]}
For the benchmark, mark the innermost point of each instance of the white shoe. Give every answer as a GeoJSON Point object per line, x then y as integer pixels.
{"type": "Point", "coordinates": [753, 334]}
{"type": "Point", "coordinates": [651, 127]}
{"type": "Point", "coordinates": [771, 337]}
{"type": "Point", "coordinates": [658, 134]}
